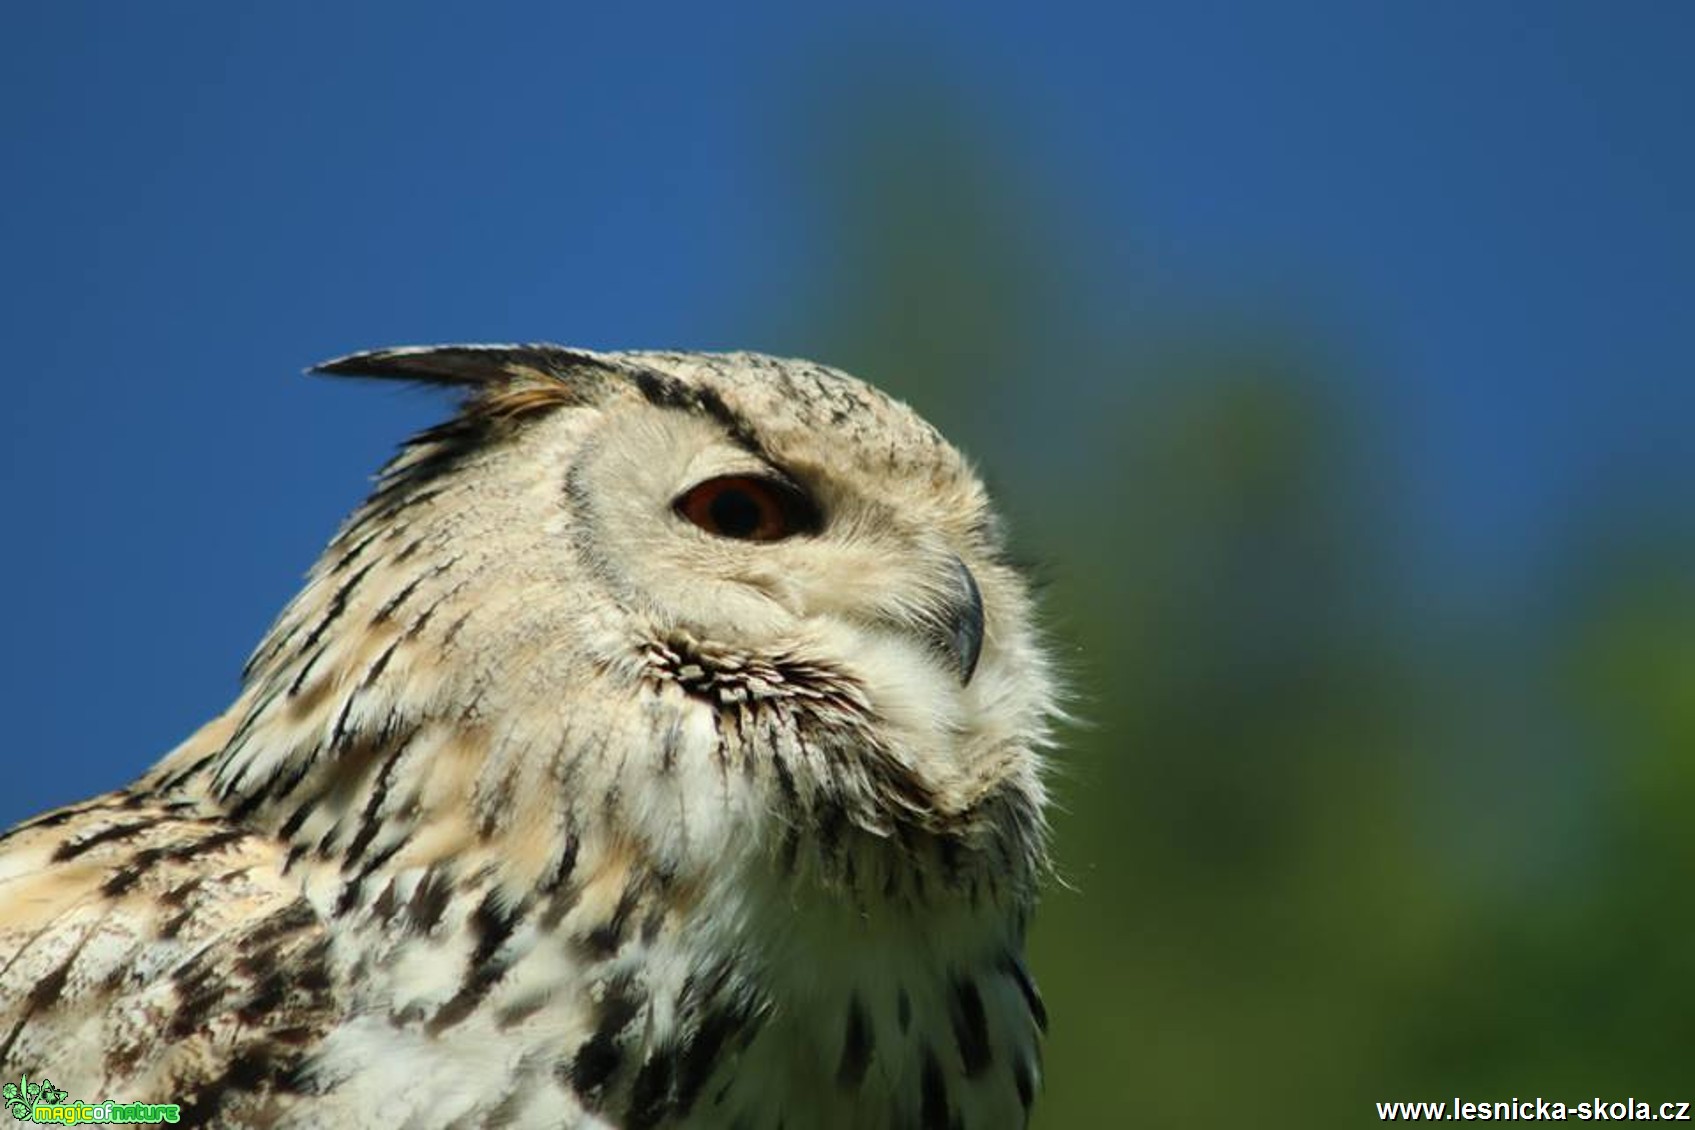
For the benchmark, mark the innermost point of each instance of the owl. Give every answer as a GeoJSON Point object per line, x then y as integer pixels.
{"type": "Point", "coordinates": [660, 744]}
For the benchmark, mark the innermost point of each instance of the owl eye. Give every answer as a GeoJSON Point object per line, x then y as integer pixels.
{"type": "Point", "coordinates": [748, 508]}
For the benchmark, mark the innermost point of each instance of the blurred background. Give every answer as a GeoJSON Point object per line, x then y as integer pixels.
{"type": "Point", "coordinates": [1333, 362]}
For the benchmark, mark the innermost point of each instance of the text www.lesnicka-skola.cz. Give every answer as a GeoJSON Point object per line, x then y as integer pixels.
{"type": "Point", "coordinates": [1534, 1110]}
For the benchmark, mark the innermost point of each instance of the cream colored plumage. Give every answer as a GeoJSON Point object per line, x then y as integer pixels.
{"type": "Point", "coordinates": [657, 745]}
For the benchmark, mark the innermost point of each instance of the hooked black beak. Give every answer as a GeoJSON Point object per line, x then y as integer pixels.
{"type": "Point", "coordinates": [959, 624]}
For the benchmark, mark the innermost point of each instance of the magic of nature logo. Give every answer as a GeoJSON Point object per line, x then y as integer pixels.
{"type": "Point", "coordinates": [43, 1102]}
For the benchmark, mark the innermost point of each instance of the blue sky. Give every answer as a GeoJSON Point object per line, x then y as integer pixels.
{"type": "Point", "coordinates": [1487, 205]}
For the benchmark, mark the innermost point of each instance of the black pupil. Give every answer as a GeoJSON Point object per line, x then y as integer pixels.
{"type": "Point", "coordinates": [735, 513]}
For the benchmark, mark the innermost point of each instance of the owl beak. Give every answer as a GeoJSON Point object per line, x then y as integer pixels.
{"type": "Point", "coordinates": [958, 631]}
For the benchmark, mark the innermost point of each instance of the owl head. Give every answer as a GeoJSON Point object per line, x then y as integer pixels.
{"type": "Point", "coordinates": [692, 602]}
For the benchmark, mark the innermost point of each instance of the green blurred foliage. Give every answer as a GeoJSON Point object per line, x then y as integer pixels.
{"type": "Point", "coordinates": [1311, 852]}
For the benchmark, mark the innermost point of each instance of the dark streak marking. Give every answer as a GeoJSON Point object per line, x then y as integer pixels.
{"type": "Point", "coordinates": [369, 823]}
{"type": "Point", "coordinates": [201, 995]}
{"type": "Point", "coordinates": [379, 665]}
{"type": "Point", "coordinates": [268, 995]}
{"type": "Point", "coordinates": [947, 852]}
{"type": "Point", "coordinates": [386, 902]}
{"type": "Point", "coordinates": [281, 788]}
{"type": "Point", "coordinates": [832, 822]}
{"type": "Point", "coordinates": [669, 746]}
{"type": "Point", "coordinates": [465, 1001]}
{"type": "Point", "coordinates": [653, 924]}
{"type": "Point", "coordinates": [515, 1014]}
{"type": "Point", "coordinates": [700, 1056]}
{"type": "Point", "coordinates": [338, 605]}
{"type": "Point", "coordinates": [178, 895]}
{"type": "Point", "coordinates": [453, 631]}
{"type": "Point", "coordinates": [381, 857]}
{"type": "Point", "coordinates": [394, 497]}
{"type": "Point", "coordinates": [248, 1073]}
{"type": "Point", "coordinates": [494, 925]}
{"type": "Point", "coordinates": [406, 551]}
{"type": "Point", "coordinates": [173, 925]}
{"type": "Point", "coordinates": [70, 812]}
{"type": "Point", "coordinates": [1023, 1078]}
{"type": "Point", "coordinates": [970, 1027]}
{"type": "Point", "coordinates": [123, 880]}
{"type": "Point", "coordinates": [1032, 998]}
{"type": "Point", "coordinates": [314, 973]}
{"type": "Point", "coordinates": [46, 991]}
{"type": "Point", "coordinates": [785, 779]}
{"type": "Point", "coordinates": [650, 1093]}
{"type": "Point", "coordinates": [338, 733]}
{"type": "Point", "coordinates": [668, 392]}
{"type": "Point", "coordinates": [392, 605]}
{"type": "Point", "coordinates": [246, 806]}
{"type": "Point", "coordinates": [933, 1098]}
{"type": "Point", "coordinates": [292, 919]}
{"type": "Point", "coordinates": [238, 739]}
{"type": "Point", "coordinates": [353, 552]}
{"type": "Point", "coordinates": [73, 848]}
{"type": "Point", "coordinates": [293, 690]}
{"type": "Point", "coordinates": [429, 901]}
{"type": "Point", "coordinates": [856, 1047]}
{"type": "Point", "coordinates": [789, 852]}
{"type": "Point", "coordinates": [422, 620]}
{"type": "Point", "coordinates": [299, 817]}
{"type": "Point", "coordinates": [566, 865]}
{"type": "Point", "coordinates": [210, 844]}
{"type": "Point", "coordinates": [603, 941]}
{"type": "Point", "coordinates": [327, 843]}
{"type": "Point", "coordinates": [598, 1058]}
{"type": "Point", "coordinates": [349, 897]}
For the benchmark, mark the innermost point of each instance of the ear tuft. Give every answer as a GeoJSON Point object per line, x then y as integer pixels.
{"type": "Point", "coordinates": [464, 366]}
